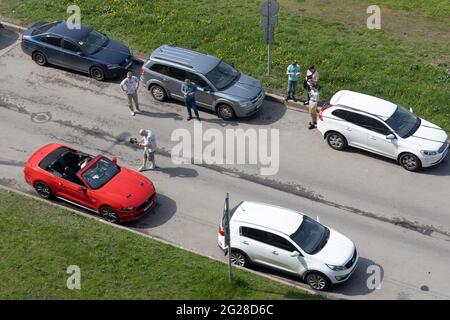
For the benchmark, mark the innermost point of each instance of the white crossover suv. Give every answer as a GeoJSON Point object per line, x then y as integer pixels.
{"type": "Point", "coordinates": [382, 127]}
{"type": "Point", "coordinates": [289, 241]}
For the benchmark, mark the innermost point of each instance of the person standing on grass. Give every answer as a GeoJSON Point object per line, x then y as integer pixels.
{"type": "Point", "coordinates": [189, 89]}
{"type": "Point", "coordinates": [313, 101]}
{"type": "Point", "coordinates": [293, 72]}
{"type": "Point", "coordinates": [311, 79]}
{"type": "Point", "coordinates": [130, 86]}
{"type": "Point", "coordinates": [148, 142]}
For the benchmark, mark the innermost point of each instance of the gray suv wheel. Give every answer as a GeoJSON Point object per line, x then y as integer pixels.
{"type": "Point", "coordinates": [158, 92]}
{"type": "Point", "coordinates": [225, 112]}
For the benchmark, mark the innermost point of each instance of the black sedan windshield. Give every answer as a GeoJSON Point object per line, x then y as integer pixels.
{"type": "Point", "coordinates": [403, 122]}
{"type": "Point", "coordinates": [311, 236]}
{"type": "Point", "coordinates": [94, 41]}
{"type": "Point", "coordinates": [222, 75]}
{"type": "Point", "coordinates": [100, 173]}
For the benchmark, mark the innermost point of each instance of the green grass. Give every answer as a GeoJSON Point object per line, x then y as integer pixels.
{"type": "Point", "coordinates": [411, 73]}
{"type": "Point", "coordinates": [430, 8]}
{"type": "Point", "coordinates": [39, 242]}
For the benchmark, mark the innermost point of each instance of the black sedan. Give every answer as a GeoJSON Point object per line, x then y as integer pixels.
{"type": "Point", "coordinates": [85, 49]}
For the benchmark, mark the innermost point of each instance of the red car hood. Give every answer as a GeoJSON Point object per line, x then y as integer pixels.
{"type": "Point", "coordinates": [129, 187]}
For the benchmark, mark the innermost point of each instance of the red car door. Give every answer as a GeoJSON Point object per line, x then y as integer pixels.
{"type": "Point", "coordinates": [75, 193]}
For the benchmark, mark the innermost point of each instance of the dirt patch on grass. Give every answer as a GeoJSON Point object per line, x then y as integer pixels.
{"type": "Point", "coordinates": [406, 25]}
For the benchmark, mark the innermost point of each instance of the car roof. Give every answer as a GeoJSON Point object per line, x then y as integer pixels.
{"type": "Point", "coordinates": [363, 102]}
{"type": "Point", "coordinates": [62, 30]}
{"type": "Point", "coordinates": [191, 59]}
{"type": "Point", "coordinates": [268, 216]}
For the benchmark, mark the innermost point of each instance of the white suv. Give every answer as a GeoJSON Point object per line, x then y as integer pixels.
{"type": "Point", "coordinates": [290, 242]}
{"type": "Point", "coordinates": [379, 126]}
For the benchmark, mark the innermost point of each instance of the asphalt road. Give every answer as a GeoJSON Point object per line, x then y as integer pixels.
{"type": "Point", "coordinates": [399, 220]}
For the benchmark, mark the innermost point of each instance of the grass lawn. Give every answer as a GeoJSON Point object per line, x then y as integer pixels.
{"type": "Point", "coordinates": [413, 72]}
{"type": "Point", "coordinates": [39, 242]}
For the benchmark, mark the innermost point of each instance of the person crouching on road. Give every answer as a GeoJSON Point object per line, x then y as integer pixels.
{"type": "Point", "coordinates": [293, 72]}
{"type": "Point", "coordinates": [313, 101]}
{"type": "Point", "coordinates": [148, 141]}
{"type": "Point", "coordinates": [130, 86]}
{"type": "Point", "coordinates": [189, 89]}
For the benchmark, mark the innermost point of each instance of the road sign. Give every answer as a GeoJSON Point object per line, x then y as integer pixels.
{"type": "Point", "coordinates": [267, 22]}
{"type": "Point", "coordinates": [269, 8]}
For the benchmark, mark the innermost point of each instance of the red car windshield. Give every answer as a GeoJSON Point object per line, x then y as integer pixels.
{"type": "Point", "coordinates": [100, 173]}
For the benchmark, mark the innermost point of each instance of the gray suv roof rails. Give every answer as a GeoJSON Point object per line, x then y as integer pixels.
{"type": "Point", "coordinates": [173, 61]}
{"type": "Point", "coordinates": [189, 49]}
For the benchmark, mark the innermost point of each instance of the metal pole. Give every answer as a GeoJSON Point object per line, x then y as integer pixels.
{"type": "Point", "coordinates": [229, 239]}
{"type": "Point", "coordinates": [268, 38]}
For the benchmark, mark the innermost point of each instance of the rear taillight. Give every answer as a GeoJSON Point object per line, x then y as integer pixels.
{"type": "Point", "coordinates": [322, 110]}
{"type": "Point", "coordinates": [142, 71]}
{"type": "Point", "coordinates": [221, 231]}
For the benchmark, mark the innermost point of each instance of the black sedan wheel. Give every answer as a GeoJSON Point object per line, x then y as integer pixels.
{"type": "Point", "coordinates": [109, 214]}
{"type": "Point", "coordinates": [43, 190]}
{"type": "Point", "coordinates": [40, 58]}
{"type": "Point", "coordinates": [97, 73]}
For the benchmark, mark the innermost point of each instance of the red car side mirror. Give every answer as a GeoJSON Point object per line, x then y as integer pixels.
{"type": "Point", "coordinates": [114, 160]}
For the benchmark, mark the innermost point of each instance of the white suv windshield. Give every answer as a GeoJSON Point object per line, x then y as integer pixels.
{"type": "Point", "coordinates": [222, 75]}
{"type": "Point", "coordinates": [311, 236]}
{"type": "Point", "coordinates": [403, 122]}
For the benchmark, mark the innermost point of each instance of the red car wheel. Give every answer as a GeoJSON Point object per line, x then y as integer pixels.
{"type": "Point", "coordinates": [43, 190]}
{"type": "Point", "coordinates": [109, 214]}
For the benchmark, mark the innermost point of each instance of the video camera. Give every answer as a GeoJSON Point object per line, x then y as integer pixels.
{"type": "Point", "coordinates": [133, 141]}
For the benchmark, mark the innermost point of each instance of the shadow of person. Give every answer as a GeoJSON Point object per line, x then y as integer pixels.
{"type": "Point", "coordinates": [179, 172]}
{"type": "Point", "coordinates": [7, 38]}
{"type": "Point", "coordinates": [163, 212]}
{"type": "Point", "coordinates": [172, 115]}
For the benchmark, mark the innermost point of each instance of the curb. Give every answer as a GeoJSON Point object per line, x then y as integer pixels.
{"type": "Point", "coordinates": [12, 27]}
{"type": "Point", "coordinates": [123, 228]}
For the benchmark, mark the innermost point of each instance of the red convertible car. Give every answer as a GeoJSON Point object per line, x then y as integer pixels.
{"type": "Point", "coordinates": [98, 184]}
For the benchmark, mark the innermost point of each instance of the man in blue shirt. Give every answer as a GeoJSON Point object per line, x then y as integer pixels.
{"type": "Point", "coordinates": [293, 71]}
{"type": "Point", "coordinates": [189, 89]}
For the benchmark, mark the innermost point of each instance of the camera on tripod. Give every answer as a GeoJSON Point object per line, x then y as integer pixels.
{"type": "Point", "coordinates": [133, 141]}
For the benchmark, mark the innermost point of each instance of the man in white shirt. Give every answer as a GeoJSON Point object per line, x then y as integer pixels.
{"type": "Point", "coordinates": [148, 141]}
{"type": "Point", "coordinates": [130, 86]}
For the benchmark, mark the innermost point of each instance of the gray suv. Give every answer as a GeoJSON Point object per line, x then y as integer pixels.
{"type": "Point", "coordinates": [221, 88]}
